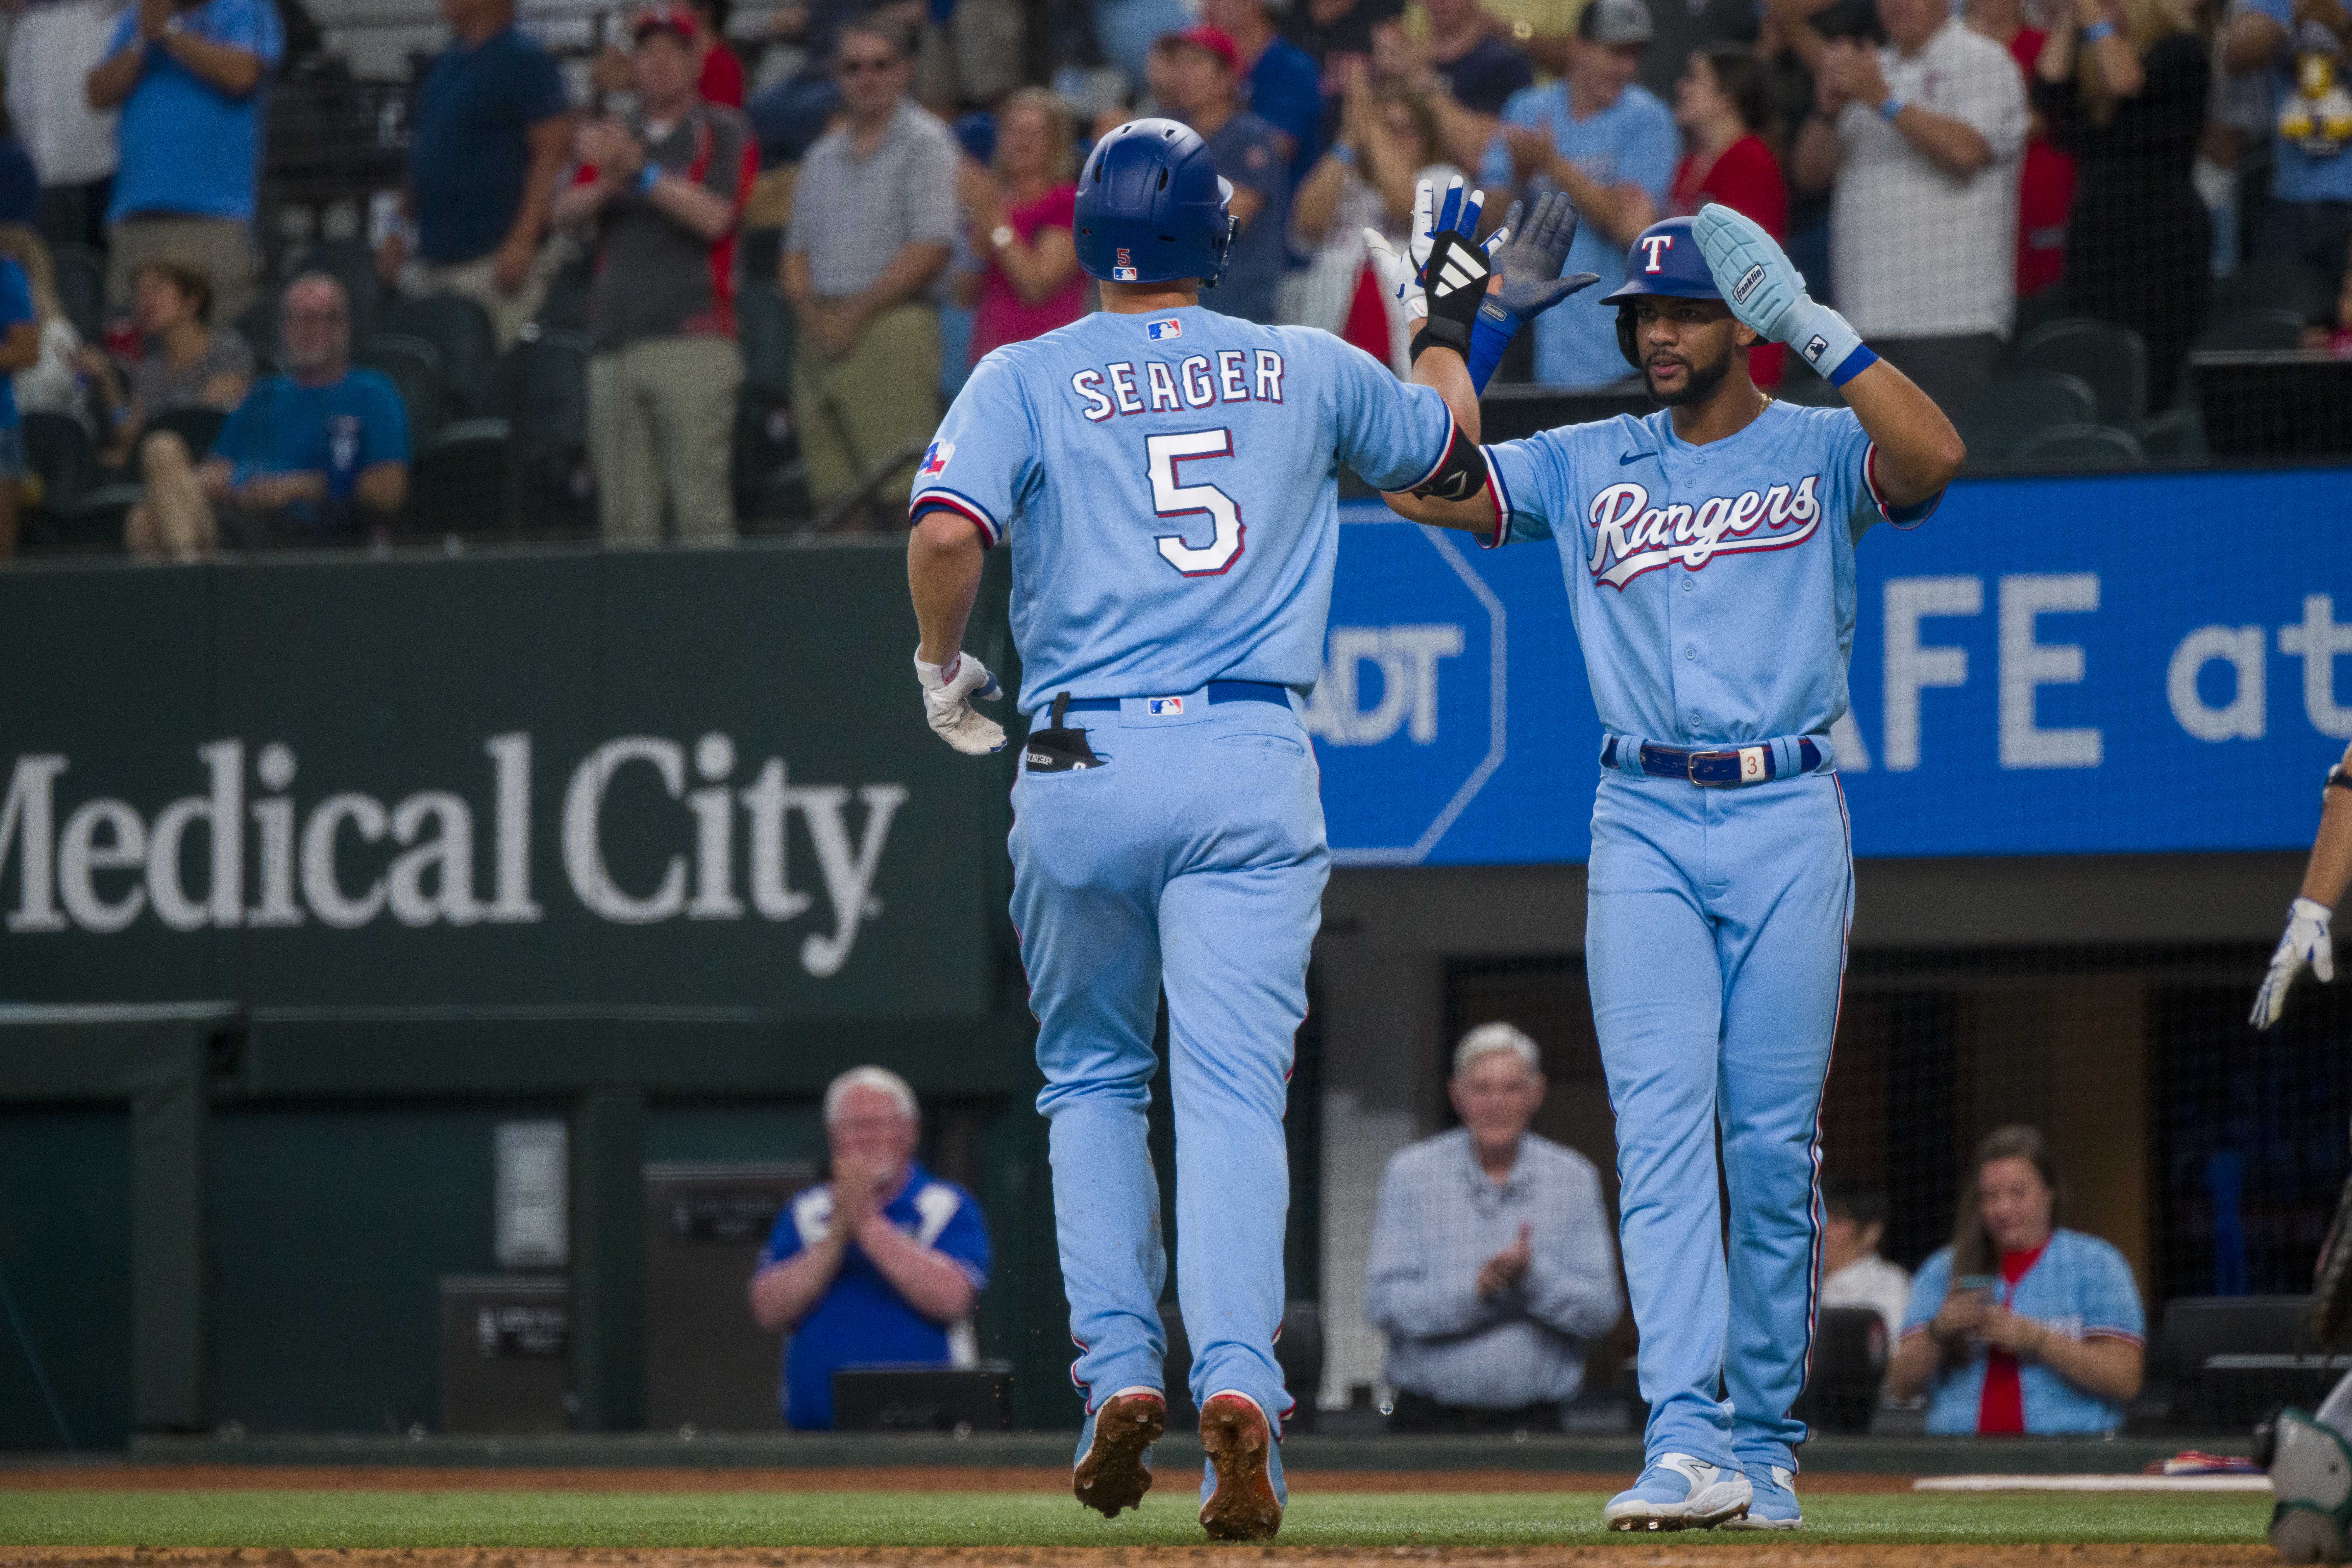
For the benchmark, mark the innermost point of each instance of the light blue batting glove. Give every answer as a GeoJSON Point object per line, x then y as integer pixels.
{"type": "Point", "coordinates": [1767, 293]}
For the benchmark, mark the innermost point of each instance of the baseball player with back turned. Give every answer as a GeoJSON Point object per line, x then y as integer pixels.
{"type": "Point", "coordinates": [1709, 550]}
{"type": "Point", "coordinates": [1164, 476]}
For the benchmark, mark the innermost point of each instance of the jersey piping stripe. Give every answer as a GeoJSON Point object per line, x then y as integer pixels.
{"type": "Point", "coordinates": [1502, 494]}
{"type": "Point", "coordinates": [1887, 508]}
{"type": "Point", "coordinates": [1445, 450]}
{"type": "Point", "coordinates": [962, 506]}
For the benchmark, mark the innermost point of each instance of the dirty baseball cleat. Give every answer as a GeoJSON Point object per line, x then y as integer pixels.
{"type": "Point", "coordinates": [1678, 1492]}
{"type": "Point", "coordinates": [1114, 1466]}
{"type": "Point", "coordinates": [1243, 1483]}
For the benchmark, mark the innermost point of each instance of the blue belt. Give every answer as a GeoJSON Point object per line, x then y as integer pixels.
{"type": "Point", "coordinates": [1218, 690]}
{"type": "Point", "coordinates": [1717, 767]}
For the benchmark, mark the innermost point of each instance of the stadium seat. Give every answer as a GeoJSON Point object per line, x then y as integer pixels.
{"type": "Point", "coordinates": [2180, 433]}
{"type": "Point", "coordinates": [2016, 406]}
{"type": "Point", "coordinates": [764, 327]}
{"type": "Point", "coordinates": [460, 330]}
{"type": "Point", "coordinates": [415, 367]}
{"type": "Point", "coordinates": [2080, 447]}
{"type": "Point", "coordinates": [2252, 328]}
{"type": "Point", "coordinates": [198, 427]}
{"type": "Point", "coordinates": [81, 289]}
{"type": "Point", "coordinates": [2277, 282]}
{"type": "Point", "coordinates": [2111, 359]}
{"type": "Point", "coordinates": [456, 485]}
{"type": "Point", "coordinates": [543, 389]}
{"type": "Point", "coordinates": [59, 452]}
{"type": "Point", "coordinates": [257, 325]}
{"type": "Point", "coordinates": [94, 525]}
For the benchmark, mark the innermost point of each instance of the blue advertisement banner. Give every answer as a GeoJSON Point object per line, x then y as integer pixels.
{"type": "Point", "coordinates": [2146, 662]}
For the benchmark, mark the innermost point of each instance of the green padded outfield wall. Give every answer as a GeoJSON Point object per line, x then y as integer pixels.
{"type": "Point", "coordinates": [679, 779]}
{"type": "Point", "coordinates": [603, 836]}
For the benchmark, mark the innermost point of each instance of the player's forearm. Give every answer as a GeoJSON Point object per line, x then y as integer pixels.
{"type": "Point", "coordinates": [2330, 871]}
{"type": "Point", "coordinates": [933, 1283]}
{"type": "Point", "coordinates": [943, 566]}
{"type": "Point", "coordinates": [1920, 452]}
{"type": "Point", "coordinates": [1442, 370]}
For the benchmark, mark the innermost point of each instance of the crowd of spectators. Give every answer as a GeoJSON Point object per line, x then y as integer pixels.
{"type": "Point", "coordinates": [900, 174]}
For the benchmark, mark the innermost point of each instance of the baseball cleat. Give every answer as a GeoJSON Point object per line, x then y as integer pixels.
{"type": "Point", "coordinates": [1678, 1492]}
{"type": "Point", "coordinates": [1774, 1505]}
{"type": "Point", "coordinates": [1114, 1466]}
{"type": "Point", "coordinates": [1239, 1440]}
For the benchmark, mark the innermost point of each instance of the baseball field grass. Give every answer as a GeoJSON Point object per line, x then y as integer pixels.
{"type": "Point", "coordinates": [64, 1517]}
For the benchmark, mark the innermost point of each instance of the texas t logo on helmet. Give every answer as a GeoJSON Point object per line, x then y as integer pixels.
{"type": "Point", "coordinates": [1657, 245]}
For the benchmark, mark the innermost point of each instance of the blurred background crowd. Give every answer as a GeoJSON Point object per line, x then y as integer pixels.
{"type": "Point", "coordinates": [271, 277]}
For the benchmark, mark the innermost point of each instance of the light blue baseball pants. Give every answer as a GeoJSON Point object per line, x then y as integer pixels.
{"type": "Point", "coordinates": [1715, 947]}
{"type": "Point", "coordinates": [1193, 859]}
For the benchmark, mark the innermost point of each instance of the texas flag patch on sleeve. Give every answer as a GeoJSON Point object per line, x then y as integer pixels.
{"type": "Point", "coordinates": [1164, 329]}
{"type": "Point", "coordinates": [935, 459]}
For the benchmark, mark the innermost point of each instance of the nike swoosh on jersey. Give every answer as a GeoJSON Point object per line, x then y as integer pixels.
{"type": "Point", "coordinates": [1634, 457]}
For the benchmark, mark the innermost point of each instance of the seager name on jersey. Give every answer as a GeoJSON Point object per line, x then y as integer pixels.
{"type": "Point", "coordinates": [1630, 536]}
{"type": "Point", "coordinates": [1229, 375]}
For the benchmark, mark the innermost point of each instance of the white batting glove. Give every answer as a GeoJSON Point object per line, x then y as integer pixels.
{"type": "Point", "coordinates": [1400, 276]}
{"type": "Point", "coordinates": [2306, 945]}
{"type": "Point", "coordinates": [947, 691]}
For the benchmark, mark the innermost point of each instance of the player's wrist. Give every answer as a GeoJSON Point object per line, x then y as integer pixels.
{"type": "Point", "coordinates": [1825, 340]}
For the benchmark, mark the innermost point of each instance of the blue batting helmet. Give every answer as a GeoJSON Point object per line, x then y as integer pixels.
{"type": "Point", "coordinates": [1151, 208]}
{"type": "Point", "coordinates": [1665, 260]}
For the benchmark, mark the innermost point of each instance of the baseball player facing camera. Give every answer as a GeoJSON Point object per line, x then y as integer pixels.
{"type": "Point", "coordinates": [1165, 478]}
{"type": "Point", "coordinates": [1709, 555]}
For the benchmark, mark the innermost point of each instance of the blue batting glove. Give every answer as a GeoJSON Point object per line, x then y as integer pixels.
{"type": "Point", "coordinates": [1526, 262]}
{"type": "Point", "coordinates": [1767, 293]}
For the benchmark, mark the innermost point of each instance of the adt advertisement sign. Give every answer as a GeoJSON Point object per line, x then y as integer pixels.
{"type": "Point", "coordinates": [2140, 663]}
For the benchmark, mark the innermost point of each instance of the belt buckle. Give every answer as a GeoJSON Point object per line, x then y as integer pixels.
{"type": "Point", "coordinates": [1752, 765]}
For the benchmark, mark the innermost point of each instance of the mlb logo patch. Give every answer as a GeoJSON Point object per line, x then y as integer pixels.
{"type": "Point", "coordinates": [1164, 707]}
{"type": "Point", "coordinates": [1163, 329]}
{"type": "Point", "coordinates": [1815, 347]}
{"type": "Point", "coordinates": [1122, 271]}
{"type": "Point", "coordinates": [935, 459]}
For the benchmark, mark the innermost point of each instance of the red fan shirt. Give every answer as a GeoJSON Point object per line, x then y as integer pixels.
{"type": "Point", "coordinates": [2000, 1409]}
{"type": "Point", "coordinates": [1745, 178]}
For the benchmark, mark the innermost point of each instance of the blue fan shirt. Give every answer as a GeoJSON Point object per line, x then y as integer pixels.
{"type": "Point", "coordinates": [861, 1320]}
{"type": "Point", "coordinates": [2080, 1287]}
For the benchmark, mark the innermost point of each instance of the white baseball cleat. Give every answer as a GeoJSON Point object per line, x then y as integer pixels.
{"type": "Point", "coordinates": [1774, 1506]}
{"type": "Point", "coordinates": [1678, 1492]}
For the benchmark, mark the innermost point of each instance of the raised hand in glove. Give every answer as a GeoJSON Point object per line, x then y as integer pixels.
{"type": "Point", "coordinates": [1529, 263]}
{"type": "Point", "coordinates": [1400, 275]}
{"type": "Point", "coordinates": [1767, 293]}
{"type": "Point", "coordinates": [2306, 945]}
{"type": "Point", "coordinates": [948, 692]}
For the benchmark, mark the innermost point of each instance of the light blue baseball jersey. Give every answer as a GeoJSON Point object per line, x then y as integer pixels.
{"type": "Point", "coordinates": [1169, 483]}
{"type": "Point", "coordinates": [1632, 143]}
{"type": "Point", "coordinates": [2080, 1287]}
{"type": "Point", "coordinates": [1712, 587]}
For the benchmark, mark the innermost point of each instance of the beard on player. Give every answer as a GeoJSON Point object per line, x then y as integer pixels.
{"type": "Point", "coordinates": [1689, 379]}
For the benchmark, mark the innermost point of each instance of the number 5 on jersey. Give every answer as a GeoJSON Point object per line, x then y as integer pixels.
{"type": "Point", "coordinates": [1171, 498]}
